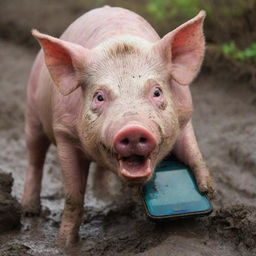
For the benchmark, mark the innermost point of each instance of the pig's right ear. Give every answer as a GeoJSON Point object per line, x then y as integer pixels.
{"type": "Point", "coordinates": [65, 61]}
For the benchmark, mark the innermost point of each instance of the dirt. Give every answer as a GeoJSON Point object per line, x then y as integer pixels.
{"type": "Point", "coordinates": [10, 209]}
{"type": "Point", "coordinates": [225, 124]}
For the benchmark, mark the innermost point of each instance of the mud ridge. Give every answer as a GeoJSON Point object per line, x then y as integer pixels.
{"type": "Point", "coordinates": [10, 210]}
{"type": "Point", "coordinates": [237, 223]}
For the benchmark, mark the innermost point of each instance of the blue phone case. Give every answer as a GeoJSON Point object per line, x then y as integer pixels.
{"type": "Point", "coordinates": [172, 193]}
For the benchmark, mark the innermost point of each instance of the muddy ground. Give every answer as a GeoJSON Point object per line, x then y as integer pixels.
{"type": "Point", "coordinates": [225, 125]}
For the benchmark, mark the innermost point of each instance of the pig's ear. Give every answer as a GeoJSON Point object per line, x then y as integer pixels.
{"type": "Point", "coordinates": [64, 60]}
{"type": "Point", "coordinates": [183, 49]}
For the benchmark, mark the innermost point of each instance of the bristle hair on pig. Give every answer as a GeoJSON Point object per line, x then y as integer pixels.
{"type": "Point", "coordinates": [111, 91]}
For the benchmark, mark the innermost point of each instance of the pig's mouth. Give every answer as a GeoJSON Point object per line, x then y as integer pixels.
{"type": "Point", "coordinates": [135, 166]}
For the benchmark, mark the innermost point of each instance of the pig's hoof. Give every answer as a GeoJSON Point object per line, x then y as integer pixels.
{"type": "Point", "coordinates": [207, 189]}
{"type": "Point", "coordinates": [31, 210]}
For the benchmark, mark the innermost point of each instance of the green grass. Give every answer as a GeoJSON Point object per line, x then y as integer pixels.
{"type": "Point", "coordinates": [230, 50]}
{"type": "Point", "coordinates": [168, 9]}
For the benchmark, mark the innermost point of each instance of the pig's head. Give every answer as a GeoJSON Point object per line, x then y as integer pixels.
{"type": "Point", "coordinates": [129, 121]}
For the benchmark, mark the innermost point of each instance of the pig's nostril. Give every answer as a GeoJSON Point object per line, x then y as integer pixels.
{"type": "Point", "coordinates": [125, 141]}
{"type": "Point", "coordinates": [143, 140]}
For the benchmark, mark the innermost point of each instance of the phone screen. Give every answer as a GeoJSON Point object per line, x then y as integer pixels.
{"type": "Point", "coordinates": [173, 190]}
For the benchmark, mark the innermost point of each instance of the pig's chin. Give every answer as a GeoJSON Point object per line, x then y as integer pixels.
{"type": "Point", "coordinates": [135, 169]}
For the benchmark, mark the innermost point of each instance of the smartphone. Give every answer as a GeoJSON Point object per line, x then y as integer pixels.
{"type": "Point", "coordinates": [173, 193]}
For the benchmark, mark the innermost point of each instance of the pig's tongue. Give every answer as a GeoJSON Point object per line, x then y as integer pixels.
{"type": "Point", "coordinates": [135, 166]}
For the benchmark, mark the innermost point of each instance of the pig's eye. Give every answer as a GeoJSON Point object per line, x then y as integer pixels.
{"type": "Point", "coordinates": [156, 97]}
{"type": "Point", "coordinates": [100, 97]}
{"type": "Point", "coordinates": [100, 100]}
{"type": "Point", "coordinates": [157, 92]}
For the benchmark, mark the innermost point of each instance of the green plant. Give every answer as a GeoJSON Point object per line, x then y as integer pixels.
{"type": "Point", "coordinates": [230, 50]}
{"type": "Point", "coordinates": [166, 9]}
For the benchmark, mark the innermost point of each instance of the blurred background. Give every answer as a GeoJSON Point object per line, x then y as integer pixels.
{"type": "Point", "coordinates": [229, 23]}
{"type": "Point", "coordinates": [229, 26]}
{"type": "Point", "coordinates": [224, 96]}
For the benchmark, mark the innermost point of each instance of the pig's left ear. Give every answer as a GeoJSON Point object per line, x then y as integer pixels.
{"type": "Point", "coordinates": [65, 61]}
{"type": "Point", "coordinates": [183, 49]}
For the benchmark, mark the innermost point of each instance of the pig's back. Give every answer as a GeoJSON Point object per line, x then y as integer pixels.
{"type": "Point", "coordinates": [101, 24]}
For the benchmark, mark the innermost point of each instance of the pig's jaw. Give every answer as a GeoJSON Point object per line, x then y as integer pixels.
{"type": "Point", "coordinates": [135, 169]}
{"type": "Point", "coordinates": [135, 166]}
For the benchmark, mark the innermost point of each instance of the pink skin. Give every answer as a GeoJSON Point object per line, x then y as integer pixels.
{"type": "Point", "coordinates": [110, 91]}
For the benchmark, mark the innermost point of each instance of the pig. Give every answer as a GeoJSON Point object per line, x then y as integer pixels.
{"type": "Point", "coordinates": [111, 91]}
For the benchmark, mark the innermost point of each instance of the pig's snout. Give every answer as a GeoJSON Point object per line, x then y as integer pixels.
{"type": "Point", "coordinates": [134, 140]}
{"type": "Point", "coordinates": [134, 145]}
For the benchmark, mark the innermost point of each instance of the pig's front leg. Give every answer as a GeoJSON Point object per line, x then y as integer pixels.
{"type": "Point", "coordinates": [186, 149]}
{"type": "Point", "coordinates": [75, 171]}
{"type": "Point", "coordinates": [37, 146]}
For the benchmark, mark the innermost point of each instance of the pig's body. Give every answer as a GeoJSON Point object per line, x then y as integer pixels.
{"type": "Point", "coordinates": [54, 117]}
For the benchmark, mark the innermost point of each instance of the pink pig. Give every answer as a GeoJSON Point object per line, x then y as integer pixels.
{"type": "Point", "coordinates": [112, 92]}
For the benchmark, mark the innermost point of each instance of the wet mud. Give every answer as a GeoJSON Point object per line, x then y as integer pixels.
{"type": "Point", "coordinates": [10, 209]}
{"type": "Point", "coordinates": [116, 224]}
